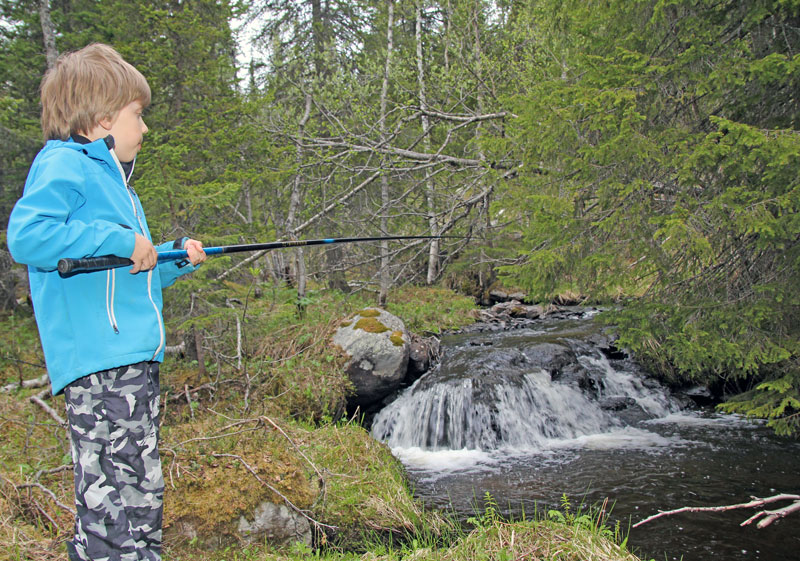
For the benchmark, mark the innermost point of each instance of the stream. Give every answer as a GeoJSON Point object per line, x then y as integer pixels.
{"type": "Point", "coordinates": [550, 408]}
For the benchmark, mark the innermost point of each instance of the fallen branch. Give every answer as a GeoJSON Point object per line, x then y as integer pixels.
{"type": "Point", "coordinates": [34, 383]}
{"type": "Point", "coordinates": [39, 398]}
{"type": "Point", "coordinates": [180, 348]}
{"type": "Point", "coordinates": [50, 494]}
{"type": "Point", "coordinates": [35, 484]}
{"type": "Point", "coordinates": [770, 516]}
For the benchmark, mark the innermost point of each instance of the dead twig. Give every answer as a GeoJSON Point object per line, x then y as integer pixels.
{"type": "Point", "coordinates": [33, 383]}
{"type": "Point", "coordinates": [50, 494]}
{"type": "Point", "coordinates": [770, 516]}
{"type": "Point", "coordinates": [39, 398]}
{"type": "Point", "coordinates": [297, 448]}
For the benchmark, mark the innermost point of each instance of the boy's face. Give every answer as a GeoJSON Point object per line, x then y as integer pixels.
{"type": "Point", "coordinates": [127, 128]}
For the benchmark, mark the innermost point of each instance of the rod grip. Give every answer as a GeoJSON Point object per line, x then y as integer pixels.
{"type": "Point", "coordinates": [68, 267]}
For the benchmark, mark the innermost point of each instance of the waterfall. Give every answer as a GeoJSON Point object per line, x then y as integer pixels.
{"type": "Point", "coordinates": [484, 396]}
{"type": "Point", "coordinates": [517, 415]}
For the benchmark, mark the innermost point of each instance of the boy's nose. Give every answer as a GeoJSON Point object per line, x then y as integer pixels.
{"type": "Point", "coordinates": [144, 128]}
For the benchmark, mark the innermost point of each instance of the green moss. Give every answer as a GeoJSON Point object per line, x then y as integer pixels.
{"type": "Point", "coordinates": [347, 323]}
{"type": "Point", "coordinates": [224, 476]}
{"type": "Point", "coordinates": [369, 313]}
{"type": "Point", "coordinates": [397, 339]}
{"type": "Point", "coordinates": [369, 488]}
{"type": "Point", "coordinates": [371, 325]}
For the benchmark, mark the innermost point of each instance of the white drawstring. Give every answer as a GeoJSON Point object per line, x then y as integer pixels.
{"type": "Point", "coordinates": [111, 285]}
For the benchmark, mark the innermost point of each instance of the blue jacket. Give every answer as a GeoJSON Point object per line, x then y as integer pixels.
{"type": "Point", "coordinates": [77, 203]}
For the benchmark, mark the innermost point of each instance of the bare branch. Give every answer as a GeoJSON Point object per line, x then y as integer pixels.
{"type": "Point", "coordinates": [49, 493]}
{"type": "Point", "coordinates": [33, 383]}
{"type": "Point", "coordinates": [39, 398]}
{"type": "Point", "coordinates": [340, 201]}
{"type": "Point", "coordinates": [770, 515]}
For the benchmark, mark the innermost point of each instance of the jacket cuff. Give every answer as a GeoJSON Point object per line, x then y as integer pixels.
{"type": "Point", "coordinates": [178, 244]}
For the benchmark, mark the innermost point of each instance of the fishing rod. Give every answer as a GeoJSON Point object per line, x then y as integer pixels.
{"type": "Point", "coordinates": [69, 267]}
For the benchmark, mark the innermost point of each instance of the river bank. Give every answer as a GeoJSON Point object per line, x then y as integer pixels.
{"type": "Point", "coordinates": [236, 437]}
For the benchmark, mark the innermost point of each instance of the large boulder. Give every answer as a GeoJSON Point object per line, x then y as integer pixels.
{"type": "Point", "coordinates": [378, 347]}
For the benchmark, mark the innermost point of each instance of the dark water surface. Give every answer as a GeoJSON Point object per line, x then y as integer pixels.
{"type": "Point", "coordinates": [711, 461]}
{"type": "Point", "coordinates": [670, 457]}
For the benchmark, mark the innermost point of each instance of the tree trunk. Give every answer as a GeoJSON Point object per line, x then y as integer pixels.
{"type": "Point", "coordinates": [335, 275]}
{"type": "Point", "coordinates": [433, 253]}
{"type": "Point", "coordinates": [295, 201]}
{"type": "Point", "coordinates": [48, 33]}
{"type": "Point", "coordinates": [384, 218]}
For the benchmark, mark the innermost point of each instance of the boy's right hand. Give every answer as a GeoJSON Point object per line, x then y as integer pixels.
{"type": "Point", "coordinates": [144, 255]}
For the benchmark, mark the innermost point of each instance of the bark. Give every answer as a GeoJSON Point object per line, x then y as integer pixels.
{"type": "Point", "coordinates": [48, 33]}
{"type": "Point", "coordinates": [768, 516]}
{"type": "Point", "coordinates": [433, 253]}
{"type": "Point", "coordinates": [295, 201]}
{"type": "Point", "coordinates": [384, 220]}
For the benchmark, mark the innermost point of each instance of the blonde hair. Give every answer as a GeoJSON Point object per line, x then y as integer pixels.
{"type": "Point", "coordinates": [86, 86]}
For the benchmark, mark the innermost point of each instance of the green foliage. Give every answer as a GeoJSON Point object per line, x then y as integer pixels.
{"type": "Point", "coordinates": [430, 309]}
{"type": "Point", "coordinates": [661, 155]}
{"type": "Point", "coordinates": [776, 399]}
{"type": "Point", "coordinates": [582, 533]}
{"type": "Point", "coordinates": [21, 356]}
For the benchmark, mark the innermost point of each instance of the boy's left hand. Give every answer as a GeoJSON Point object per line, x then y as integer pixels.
{"type": "Point", "coordinates": [194, 250]}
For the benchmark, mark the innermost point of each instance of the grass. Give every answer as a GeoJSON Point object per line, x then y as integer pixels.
{"type": "Point", "coordinates": [261, 421]}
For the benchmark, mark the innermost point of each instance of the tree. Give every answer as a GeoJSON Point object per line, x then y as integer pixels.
{"type": "Point", "coordinates": [661, 154]}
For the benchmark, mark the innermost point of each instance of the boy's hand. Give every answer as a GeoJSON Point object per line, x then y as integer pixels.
{"type": "Point", "coordinates": [144, 255]}
{"type": "Point", "coordinates": [194, 250]}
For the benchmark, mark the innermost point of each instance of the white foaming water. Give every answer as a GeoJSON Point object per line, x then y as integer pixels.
{"type": "Point", "coordinates": [525, 414]}
{"type": "Point", "coordinates": [443, 461]}
{"type": "Point", "coordinates": [458, 422]}
{"type": "Point", "coordinates": [618, 383]}
{"type": "Point", "coordinates": [628, 438]}
{"type": "Point", "coordinates": [700, 419]}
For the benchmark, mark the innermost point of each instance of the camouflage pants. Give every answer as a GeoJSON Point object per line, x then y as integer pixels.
{"type": "Point", "coordinates": [119, 488]}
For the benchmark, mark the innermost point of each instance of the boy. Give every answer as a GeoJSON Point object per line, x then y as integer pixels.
{"type": "Point", "coordinates": [102, 332]}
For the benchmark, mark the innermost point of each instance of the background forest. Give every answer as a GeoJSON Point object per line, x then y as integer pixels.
{"type": "Point", "coordinates": [641, 153]}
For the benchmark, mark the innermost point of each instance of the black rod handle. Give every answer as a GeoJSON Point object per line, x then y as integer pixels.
{"type": "Point", "coordinates": [69, 267]}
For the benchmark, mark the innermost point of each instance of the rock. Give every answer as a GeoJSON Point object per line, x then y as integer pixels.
{"type": "Point", "coordinates": [378, 346]}
{"type": "Point", "coordinates": [423, 352]}
{"type": "Point", "coordinates": [700, 395]}
{"type": "Point", "coordinates": [616, 403]}
{"type": "Point", "coordinates": [275, 523]}
{"type": "Point", "coordinates": [497, 296]}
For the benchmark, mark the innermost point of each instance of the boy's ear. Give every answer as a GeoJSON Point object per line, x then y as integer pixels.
{"type": "Point", "coordinates": [106, 123]}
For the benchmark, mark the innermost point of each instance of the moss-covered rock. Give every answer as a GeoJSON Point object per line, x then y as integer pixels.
{"type": "Point", "coordinates": [378, 348]}
{"type": "Point", "coordinates": [397, 338]}
{"type": "Point", "coordinates": [218, 477]}
{"type": "Point", "coordinates": [371, 325]}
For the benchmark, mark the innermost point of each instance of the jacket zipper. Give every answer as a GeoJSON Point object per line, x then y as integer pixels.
{"type": "Point", "coordinates": [150, 272]}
